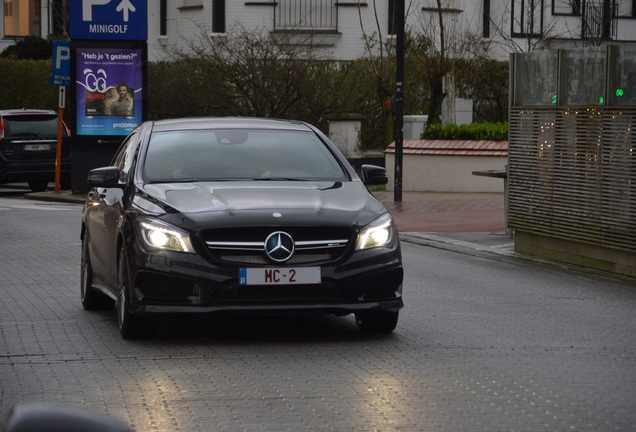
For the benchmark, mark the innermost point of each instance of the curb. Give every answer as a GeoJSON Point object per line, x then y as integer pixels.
{"type": "Point", "coordinates": [503, 253]}
{"type": "Point", "coordinates": [62, 196]}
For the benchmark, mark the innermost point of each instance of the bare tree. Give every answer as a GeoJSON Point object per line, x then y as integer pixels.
{"type": "Point", "coordinates": [247, 73]}
{"type": "Point", "coordinates": [381, 56]}
{"type": "Point", "coordinates": [452, 39]}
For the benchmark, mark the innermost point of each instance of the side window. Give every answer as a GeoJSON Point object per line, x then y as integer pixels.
{"type": "Point", "coordinates": [126, 155]}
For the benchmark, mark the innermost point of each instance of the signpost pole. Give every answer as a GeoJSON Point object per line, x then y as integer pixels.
{"type": "Point", "coordinates": [60, 134]}
{"type": "Point", "coordinates": [60, 77]}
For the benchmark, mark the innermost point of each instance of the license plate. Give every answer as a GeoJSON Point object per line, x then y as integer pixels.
{"type": "Point", "coordinates": [279, 276]}
{"type": "Point", "coordinates": [37, 147]}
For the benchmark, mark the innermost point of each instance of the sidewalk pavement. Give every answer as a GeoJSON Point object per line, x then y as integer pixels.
{"type": "Point", "coordinates": [446, 212]}
{"type": "Point", "coordinates": [470, 223]}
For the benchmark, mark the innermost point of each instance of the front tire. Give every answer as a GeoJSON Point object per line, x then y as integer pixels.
{"type": "Point", "coordinates": [130, 325]}
{"type": "Point", "coordinates": [91, 298]}
{"type": "Point", "coordinates": [377, 322]}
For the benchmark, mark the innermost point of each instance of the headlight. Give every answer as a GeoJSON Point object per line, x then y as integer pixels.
{"type": "Point", "coordinates": [378, 233]}
{"type": "Point", "coordinates": [163, 236]}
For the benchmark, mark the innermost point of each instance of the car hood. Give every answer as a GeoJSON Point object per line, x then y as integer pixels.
{"type": "Point", "coordinates": [270, 203]}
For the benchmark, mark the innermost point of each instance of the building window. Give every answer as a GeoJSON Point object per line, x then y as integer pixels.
{"type": "Point", "coordinates": [22, 18]}
{"type": "Point", "coordinates": [486, 19]}
{"type": "Point", "coordinates": [527, 18]}
{"type": "Point", "coordinates": [309, 15]}
{"type": "Point", "coordinates": [626, 9]}
{"type": "Point", "coordinates": [218, 16]}
{"type": "Point", "coordinates": [566, 7]}
{"type": "Point", "coordinates": [163, 17]}
{"type": "Point", "coordinates": [59, 17]}
{"type": "Point", "coordinates": [599, 19]}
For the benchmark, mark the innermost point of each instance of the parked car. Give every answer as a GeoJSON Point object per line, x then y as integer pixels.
{"type": "Point", "coordinates": [28, 148]}
{"type": "Point", "coordinates": [237, 215]}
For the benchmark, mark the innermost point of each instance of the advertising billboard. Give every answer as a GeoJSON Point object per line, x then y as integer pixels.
{"type": "Point", "coordinates": [108, 90]}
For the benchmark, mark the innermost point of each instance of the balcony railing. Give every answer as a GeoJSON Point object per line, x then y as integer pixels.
{"type": "Point", "coordinates": [306, 15]}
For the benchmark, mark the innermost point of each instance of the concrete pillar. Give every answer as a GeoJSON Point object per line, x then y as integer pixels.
{"type": "Point", "coordinates": [344, 131]}
{"type": "Point", "coordinates": [414, 125]}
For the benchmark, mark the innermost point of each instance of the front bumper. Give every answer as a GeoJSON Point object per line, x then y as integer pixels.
{"type": "Point", "coordinates": [170, 282]}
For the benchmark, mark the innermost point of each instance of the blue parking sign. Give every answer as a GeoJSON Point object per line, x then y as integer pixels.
{"type": "Point", "coordinates": [61, 75]}
{"type": "Point", "coordinates": [109, 19]}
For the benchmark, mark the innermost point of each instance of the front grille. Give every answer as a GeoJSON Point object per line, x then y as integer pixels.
{"type": "Point", "coordinates": [297, 259]}
{"type": "Point", "coordinates": [246, 246]}
{"type": "Point", "coordinates": [327, 292]}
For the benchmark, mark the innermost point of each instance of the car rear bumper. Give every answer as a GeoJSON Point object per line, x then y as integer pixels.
{"type": "Point", "coordinates": [19, 171]}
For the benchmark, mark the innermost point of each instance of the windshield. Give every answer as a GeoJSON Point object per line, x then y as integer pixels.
{"type": "Point", "coordinates": [195, 155]}
{"type": "Point", "coordinates": [35, 125]}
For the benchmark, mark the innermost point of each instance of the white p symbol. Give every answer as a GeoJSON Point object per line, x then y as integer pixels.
{"type": "Point", "coordinates": [63, 53]}
{"type": "Point", "coordinates": [87, 8]}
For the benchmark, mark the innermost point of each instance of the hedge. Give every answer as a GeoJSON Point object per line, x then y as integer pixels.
{"type": "Point", "coordinates": [27, 84]}
{"type": "Point", "coordinates": [473, 131]}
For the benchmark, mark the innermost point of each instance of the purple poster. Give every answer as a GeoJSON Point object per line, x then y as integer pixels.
{"type": "Point", "coordinates": [109, 90]}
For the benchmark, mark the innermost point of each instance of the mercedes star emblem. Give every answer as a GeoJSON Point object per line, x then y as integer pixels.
{"type": "Point", "coordinates": [279, 246]}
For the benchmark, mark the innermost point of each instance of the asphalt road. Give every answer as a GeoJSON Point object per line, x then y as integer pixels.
{"type": "Point", "coordinates": [483, 344]}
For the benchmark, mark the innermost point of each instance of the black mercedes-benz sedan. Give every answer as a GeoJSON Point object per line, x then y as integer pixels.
{"type": "Point", "coordinates": [240, 216]}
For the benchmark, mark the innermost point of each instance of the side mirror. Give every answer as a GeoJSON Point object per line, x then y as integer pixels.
{"type": "Point", "coordinates": [49, 418]}
{"type": "Point", "coordinates": [104, 177]}
{"type": "Point", "coordinates": [373, 175]}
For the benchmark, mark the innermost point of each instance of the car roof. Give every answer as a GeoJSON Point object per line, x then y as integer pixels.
{"type": "Point", "coordinates": [23, 111]}
{"type": "Point", "coordinates": [228, 123]}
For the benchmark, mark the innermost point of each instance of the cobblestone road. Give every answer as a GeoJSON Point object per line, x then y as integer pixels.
{"type": "Point", "coordinates": [482, 345]}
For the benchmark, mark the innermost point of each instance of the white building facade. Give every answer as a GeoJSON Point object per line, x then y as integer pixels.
{"type": "Point", "coordinates": [338, 27]}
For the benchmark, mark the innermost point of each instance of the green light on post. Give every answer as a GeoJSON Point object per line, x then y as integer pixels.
{"type": "Point", "coordinates": [601, 100]}
{"type": "Point", "coordinates": [620, 92]}
{"type": "Point", "coordinates": [554, 99]}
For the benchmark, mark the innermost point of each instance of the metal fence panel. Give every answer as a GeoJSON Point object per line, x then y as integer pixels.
{"type": "Point", "coordinates": [572, 174]}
